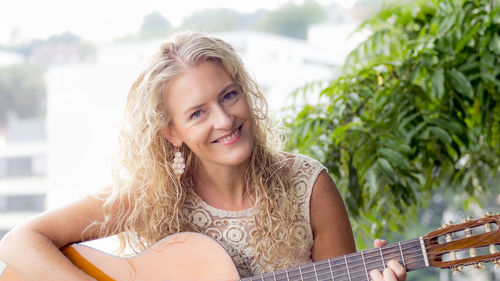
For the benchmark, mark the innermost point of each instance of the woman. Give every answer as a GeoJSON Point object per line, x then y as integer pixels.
{"type": "Point", "coordinates": [198, 153]}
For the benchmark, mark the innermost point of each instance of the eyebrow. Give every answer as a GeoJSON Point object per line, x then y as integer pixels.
{"type": "Point", "coordinates": [224, 90]}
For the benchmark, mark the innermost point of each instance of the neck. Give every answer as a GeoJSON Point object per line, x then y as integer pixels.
{"type": "Point", "coordinates": [223, 187]}
{"type": "Point", "coordinates": [356, 266]}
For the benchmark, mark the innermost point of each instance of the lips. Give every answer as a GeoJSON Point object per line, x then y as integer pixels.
{"type": "Point", "coordinates": [229, 137]}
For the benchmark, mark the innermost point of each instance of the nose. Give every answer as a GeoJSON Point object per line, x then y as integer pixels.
{"type": "Point", "coordinates": [222, 119]}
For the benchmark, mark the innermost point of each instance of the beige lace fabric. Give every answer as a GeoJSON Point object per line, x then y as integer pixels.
{"type": "Point", "coordinates": [234, 229]}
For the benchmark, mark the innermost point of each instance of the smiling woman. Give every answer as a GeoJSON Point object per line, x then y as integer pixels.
{"type": "Point", "coordinates": [218, 127]}
{"type": "Point", "coordinates": [199, 154]}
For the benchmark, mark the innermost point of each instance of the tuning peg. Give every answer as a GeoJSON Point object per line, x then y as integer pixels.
{"type": "Point", "coordinates": [479, 266]}
{"type": "Point", "coordinates": [467, 219]}
{"type": "Point", "coordinates": [445, 225]}
{"type": "Point", "coordinates": [497, 264]}
{"type": "Point", "coordinates": [457, 269]}
{"type": "Point", "coordinates": [488, 214]}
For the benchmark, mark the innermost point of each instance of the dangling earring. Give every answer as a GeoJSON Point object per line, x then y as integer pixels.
{"type": "Point", "coordinates": [178, 164]}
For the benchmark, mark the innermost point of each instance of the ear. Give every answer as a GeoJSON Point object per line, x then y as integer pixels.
{"type": "Point", "coordinates": [171, 135]}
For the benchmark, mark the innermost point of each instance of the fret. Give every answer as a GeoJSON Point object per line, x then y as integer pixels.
{"type": "Point", "coordinates": [364, 265]}
{"type": "Point", "coordinates": [331, 270]}
{"type": "Point", "coordinates": [357, 269]}
{"type": "Point", "coordinates": [402, 257]}
{"type": "Point", "coordinates": [267, 277]}
{"type": "Point", "coordinates": [308, 272]}
{"type": "Point", "coordinates": [347, 268]}
{"type": "Point", "coordinates": [414, 257]}
{"type": "Point", "coordinates": [315, 272]}
{"type": "Point", "coordinates": [382, 257]}
{"type": "Point", "coordinates": [300, 274]}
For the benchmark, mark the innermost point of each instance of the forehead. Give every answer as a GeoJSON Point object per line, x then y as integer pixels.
{"type": "Point", "coordinates": [195, 85]}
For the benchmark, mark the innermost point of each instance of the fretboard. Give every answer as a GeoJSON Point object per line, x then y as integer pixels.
{"type": "Point", "coordinates": [354, 267]}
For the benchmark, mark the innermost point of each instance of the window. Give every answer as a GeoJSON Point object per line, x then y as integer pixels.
{"type": "Point", "coordinates": [22, 203]}
{"type": "Point", "coordinates": [23, 166]}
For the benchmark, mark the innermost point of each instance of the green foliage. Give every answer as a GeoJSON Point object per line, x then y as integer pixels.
{"type": "Point", "coordinates": [22, 91]}
{"type": "Point", "coordinates": [289, 20]}
{"type": "Point", "coordinates": [293, 20]}
{"type": "Point", "coordinates": [417, 110]}
{"type": "Point", "coordinates": [221, 20]}
{"type": "Point", "coordinates": [154, 25]}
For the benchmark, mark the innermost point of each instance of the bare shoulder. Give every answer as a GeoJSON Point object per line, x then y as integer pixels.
{"type": "Point", "coordinates": [329, 220]}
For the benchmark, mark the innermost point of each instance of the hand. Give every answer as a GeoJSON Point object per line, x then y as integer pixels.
{"type": "Point", "coordinates": [394, 270]}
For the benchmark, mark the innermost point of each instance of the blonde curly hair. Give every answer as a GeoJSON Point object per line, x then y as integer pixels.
{"type": "Point", "coordinates": [146, 201]}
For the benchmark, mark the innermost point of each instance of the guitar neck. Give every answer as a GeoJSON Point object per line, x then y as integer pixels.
{"type": "Point", "coordinates": [356, 266]}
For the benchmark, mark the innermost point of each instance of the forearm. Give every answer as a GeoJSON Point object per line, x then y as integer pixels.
{"type": "Point", "coordinates": [35, 257]}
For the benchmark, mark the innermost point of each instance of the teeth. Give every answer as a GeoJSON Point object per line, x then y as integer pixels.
{"type": "Point", "coordinates": [226, 139]}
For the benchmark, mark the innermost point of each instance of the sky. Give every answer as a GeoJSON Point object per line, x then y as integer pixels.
{"type": "Point", "coordinates": [104, 20]}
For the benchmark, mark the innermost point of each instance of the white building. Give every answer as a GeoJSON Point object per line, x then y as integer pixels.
{"type": "Point", "coordinates": [23, 172]}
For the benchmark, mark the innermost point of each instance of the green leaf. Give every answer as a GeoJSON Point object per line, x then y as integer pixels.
{"type": "Point", "coordinates": [395, 145]}
{"type": "Point", "coordinates": [414, 130]}
{"type": "Point", "coordinates": [460, 83]}
{"type": "Point", "coordinates": [490, 78]}
{"type": "Point", "coordinates": [447, 124]}
{"type": "Point", "coordinates": [494, 44]}
{"type": "Point", "coordinates": [471, 33]}
{"type": "Point", "coordinates": [441, 134]}
{"type": "Point", "coordinates": [384, 165]}
{"type": "Point", "coordinates": [438, 82]}
{"type": "Point", "coordinates": [394, 157]}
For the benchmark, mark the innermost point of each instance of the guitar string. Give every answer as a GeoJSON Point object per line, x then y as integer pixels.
{"type": "Point", "coordinates": [387, 253]}
{"type": "Point", "coordinates": [411, 260]}
{"type": "Point", "coordinates": [353, 273]}
{"type": "Point", "coordinates": [370, 254]}
{"type": "Point", "coordinates": [375, 258]}
{"type": "Point", "coordinates": [325, 272]}
{"type": "Point", "coordinates": [396, 246]}
{"type": "Point", "coordinates": [287, 276]}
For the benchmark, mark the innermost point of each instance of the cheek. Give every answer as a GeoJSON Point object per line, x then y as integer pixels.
{"type": "Point", "coordinates": [194, 135]}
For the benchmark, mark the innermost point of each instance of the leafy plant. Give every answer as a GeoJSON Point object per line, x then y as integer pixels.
{"type": "Point", "coordinates": [417, 109]}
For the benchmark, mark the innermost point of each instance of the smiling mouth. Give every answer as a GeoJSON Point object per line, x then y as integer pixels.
{"type": "Point", "coordinates": [231, 137]}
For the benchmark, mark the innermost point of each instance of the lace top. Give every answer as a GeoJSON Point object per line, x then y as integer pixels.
{"type": "Point", "coordinates": [235, 229]}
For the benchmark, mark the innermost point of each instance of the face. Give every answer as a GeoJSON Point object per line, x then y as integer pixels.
{"type": "Point", "coordinates": [210, 115]}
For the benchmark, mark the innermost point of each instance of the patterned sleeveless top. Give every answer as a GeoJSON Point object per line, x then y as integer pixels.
{"type": "Point", "coordinates": [235, 229]}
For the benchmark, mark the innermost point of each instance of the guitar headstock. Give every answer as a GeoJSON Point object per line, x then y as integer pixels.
{"type": "Point", "coordinates": [471, 242]}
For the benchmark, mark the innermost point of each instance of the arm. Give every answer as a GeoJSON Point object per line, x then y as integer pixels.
{"type": "Point", "coordinates": [32, 249]}
{"type": "Point", "coordinates": [331, 227]}
{"type": "Point", "coordinates": [332, 231]}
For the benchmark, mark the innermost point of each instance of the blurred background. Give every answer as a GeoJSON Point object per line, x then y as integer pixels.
{"type": "Point", "coordinates": [66, 66]}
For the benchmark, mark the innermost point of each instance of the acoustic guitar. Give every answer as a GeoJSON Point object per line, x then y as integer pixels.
{"type": "Point", "coordinates": [193, 256]}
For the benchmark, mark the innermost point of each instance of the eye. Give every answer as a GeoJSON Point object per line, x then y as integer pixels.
{"type": "Point", "coordinates": [229, 96]}
{"type": "Point", "coordinates": [196, 114]}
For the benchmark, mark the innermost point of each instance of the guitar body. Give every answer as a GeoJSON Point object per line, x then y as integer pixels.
{"type": "Point", "coordinates": [183, 256]}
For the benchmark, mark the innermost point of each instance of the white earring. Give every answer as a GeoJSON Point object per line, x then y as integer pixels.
{"type": "Point", "coordinates": [178, 164]}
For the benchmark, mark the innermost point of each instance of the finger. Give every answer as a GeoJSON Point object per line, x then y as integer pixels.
{"type": "Point", "coordinates": [379, 243]}
{"type": "Point", "coordinates": [398, 269]}
{"type": "Point", "coordinates": [389, 275]}
{"type": "Point", "coordinates": [376, 275]}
